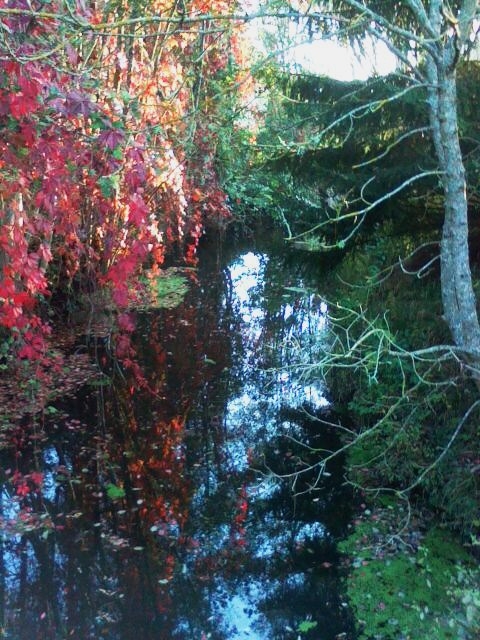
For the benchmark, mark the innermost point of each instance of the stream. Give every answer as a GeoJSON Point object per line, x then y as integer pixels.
{"type": "Point", "coordinates": [192, 505]}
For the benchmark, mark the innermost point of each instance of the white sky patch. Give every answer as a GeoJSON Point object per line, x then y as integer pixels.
{"type": "Point", "coordinates": [315, 395]}
{"type": "Point", "coordinates": [329, 58]}
{"type": "Point", "coordinates": [240, 614]}
{"type": "Point", "coordinates": [246, 273]}
{"type": "Point", "coordinates": [317, 53]}
{"type": "Point", "coordinates": [279, 536]}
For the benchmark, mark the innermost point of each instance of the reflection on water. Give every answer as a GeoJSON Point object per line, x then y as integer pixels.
{"type": "Point", "coordinates": [188, 510]}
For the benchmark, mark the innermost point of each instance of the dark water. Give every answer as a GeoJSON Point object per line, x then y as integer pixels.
{"type": "Point", "coordinates": [193, 509]}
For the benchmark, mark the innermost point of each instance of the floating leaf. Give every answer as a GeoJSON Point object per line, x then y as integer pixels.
{"type": "Point", "coordinates": [114, 492]}
{"type": "Point", "coordinates": [306, 626]}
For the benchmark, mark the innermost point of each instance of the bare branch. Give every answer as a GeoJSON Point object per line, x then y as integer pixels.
{"type": "Point", "coordinates": [410, 133]}
{"type": "Point", "coordinates": [422, 272]}
{"type": "Point", "coordinates": [83, 24]}
{"type": "Point", "coordinates": [418, 10]}
{"type": "Point", "coordinates": [386, 272]}
{"type": "Point", "coordinates": [400, 55]}
{"type": "Point", "coordinates": [466, 16]}
{"type": "Point", "coordinates": [445, 449]}
{"type": "Point", "coordinates": [357, 112]}
{"type": "Point", "coordinates": [365, 210]}
{"type": "Point", "coordinates": [392, 28]}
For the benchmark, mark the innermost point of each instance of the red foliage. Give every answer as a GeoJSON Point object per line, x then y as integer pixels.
{"type": "Point", "coordinates": [237, 528]}
{"type": "Point", "coordinates": [95, 181]}
{"type": "Point", "coordinates": [25, 484]}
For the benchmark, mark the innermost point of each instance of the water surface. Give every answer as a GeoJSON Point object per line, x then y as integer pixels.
{"type": "Point", "coordinates": [190, 507]}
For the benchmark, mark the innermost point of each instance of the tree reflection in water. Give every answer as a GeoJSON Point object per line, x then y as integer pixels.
{"type": "Point", "coordinates": [161, 513]}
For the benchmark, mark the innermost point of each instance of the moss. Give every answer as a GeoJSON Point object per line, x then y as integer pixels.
{"type": "Point", "coordinates": [407, 595]}
{"type": "Point", "coordinates": [165, 290]}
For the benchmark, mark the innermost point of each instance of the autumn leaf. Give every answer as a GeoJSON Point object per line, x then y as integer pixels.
{"type": "Point", "coordinates": [138, 210]}
{"type": "Point", "coordinates": [78, 103]}
{"type": "Point", "coordinates": [126, 322]}
{"type": "Point", "coordinates": [112, 138]}
{"type": "Point", "coordinates": [24, 101]}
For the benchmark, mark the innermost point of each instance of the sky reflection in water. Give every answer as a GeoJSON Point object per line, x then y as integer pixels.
{"type": "Point", "coordinates": [252, 423]}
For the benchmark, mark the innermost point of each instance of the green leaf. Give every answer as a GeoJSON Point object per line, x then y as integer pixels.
{"type": "Point", "coordinates": [104, 381]}
{"type": "Point", "coordinates": [98, 122]}
{"type": "Point", "coordinates": [108, 185]}
{"type": "Point", "coordinates": [114, 492]}
{"type": "Point", "coordinates": [117, 153]}
{"type": "Point", "coordinates": [49, 410]}
{"type": "Point", "coordinates": [306, 626]}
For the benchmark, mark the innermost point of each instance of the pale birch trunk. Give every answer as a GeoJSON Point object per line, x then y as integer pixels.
{"type": "Point", "coordinates": [458, 297]}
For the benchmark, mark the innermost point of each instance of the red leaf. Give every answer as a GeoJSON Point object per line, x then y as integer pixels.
{"type": "Point", "coordinates": [197, 195]}
{"type": "Point", "coordinates": [37, 478]}
{"type": "Point", "coordinates": [138, 210]}
{"type": "Point", "coordinates": [77, 103]}
{"type": "Point", "coordinates": [126, 322]}
{"type": "Point", "coordinates": [111, 138]}
{"type": "Point", "coordinates": [120, 296]}
{"type": "Point", "coordinates": [29, 133]}
{"type": "Point", "coordinates": [26, 100]}
{"type": "Point", "coordinates": [18, 106]}
{"type": "Point", "coordinates": [23, 489]}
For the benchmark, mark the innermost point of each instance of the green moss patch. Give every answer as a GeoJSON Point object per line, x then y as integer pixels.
{"type": "Point", "coordinates": [407, 595]}
{"type": "Point", "coordinates": [165, 290]}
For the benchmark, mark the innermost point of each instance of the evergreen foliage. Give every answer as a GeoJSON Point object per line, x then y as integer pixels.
{"type": "Point", "coordinates": [413, 431]}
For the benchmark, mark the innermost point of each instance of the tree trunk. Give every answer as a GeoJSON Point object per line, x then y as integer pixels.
{"type": "Point", "coordinates": [458, 297]}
